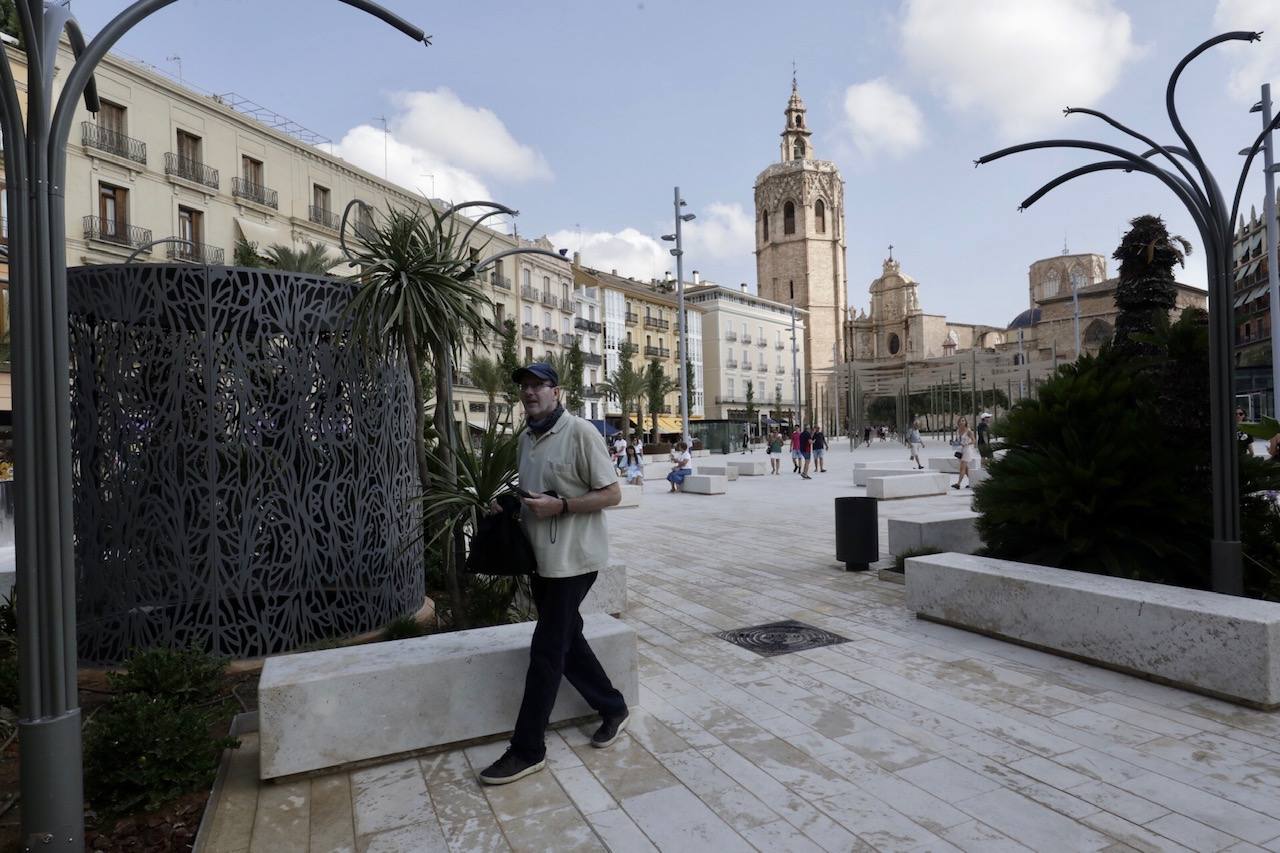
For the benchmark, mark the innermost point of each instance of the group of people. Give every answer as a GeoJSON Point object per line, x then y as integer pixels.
{"type": "Point", "coordinates": [628, 459]}
{"type": "Point", "coordinates": [808, 445]}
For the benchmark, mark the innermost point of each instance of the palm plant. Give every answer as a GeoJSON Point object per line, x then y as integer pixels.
{"type": "Point", "coordinates": [245, 254]}
{"type": "Point", "coordinates": [312, 259]}
{"type": "Point", "coordinates": [657, 385]}
{"type": "Point", "coordinates": [489, 376]}
{"type": "Point", "coordinates": [418, 293]}
{"type": "Point", "coordinates": [625, 383]}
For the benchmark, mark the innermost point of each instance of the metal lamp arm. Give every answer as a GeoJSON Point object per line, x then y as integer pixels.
{"type": "Point", "coordinates": [1244, 172]}
{"type": "Point", "coordinates": [145, 246]}
{"type": "Point", "coordinates": [342, 227]}
{"type": "Point", "coordinates": [476, 224]}
{"type": "Point", "coordinates": [492, 260]}
{"type": "Point", "coordinates": [76, 37]}
{"type": "Point", "coordinates": [498, 208]}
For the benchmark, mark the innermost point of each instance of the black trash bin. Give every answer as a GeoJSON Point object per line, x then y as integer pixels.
{"type": "Point", "coordinates": [857, 533]}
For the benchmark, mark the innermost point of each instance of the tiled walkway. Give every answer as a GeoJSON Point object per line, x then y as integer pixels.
{"type": "Point", "coordinates": [912, 736]}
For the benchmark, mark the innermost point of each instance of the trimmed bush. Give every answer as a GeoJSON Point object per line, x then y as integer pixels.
{"type": "Point", "coordinates": [185, 676]}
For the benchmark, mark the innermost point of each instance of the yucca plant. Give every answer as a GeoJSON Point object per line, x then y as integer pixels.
{"type": "Point", "coordinates": [311, 259]}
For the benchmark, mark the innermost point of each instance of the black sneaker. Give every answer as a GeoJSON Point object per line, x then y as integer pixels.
{"type": "Point", "coordinates": [610, 730]}
{"type": "Point", "coordinates": [509, 768]}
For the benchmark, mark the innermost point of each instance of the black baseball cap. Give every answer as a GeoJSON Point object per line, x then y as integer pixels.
{"type": "Point", "coordinates": [539, 370]}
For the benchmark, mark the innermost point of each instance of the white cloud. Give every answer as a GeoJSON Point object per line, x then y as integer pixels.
{"type": "Point", "coordinates": [1253, 63]}
{"type": "Point", "coordinates": [408, 166]}
{"type": "Point", "coordinates": [880, 119]}
{"type": "Point", "coordinates": [629, 251]}
{"type": "Point", "coordinates": [721, 231]}
{"type": "Point", "coordinates": [1018, 61]}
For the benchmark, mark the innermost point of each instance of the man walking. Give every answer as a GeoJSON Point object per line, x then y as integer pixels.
{"type": "Point", "coordinates": [795, 450]}
{"type": "Point", "coordinates": [819, 450]}
{"type": "Point", "coordinates": [806, 451]}
{"type": "Point", "coordinates": [570, 482]}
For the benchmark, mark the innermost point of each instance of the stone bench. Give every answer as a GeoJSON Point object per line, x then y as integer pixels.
{"type": "Point", "coordinates": [861, 475]}
{"type": "Point", "coordinates": [609, 593]}
{"type": "Point", "coordinates": [1220, 645]}
{"type": "Point", "coordinates": [907, 486]}
{"type": "Point", "coordinates": [704, 484]}
{"type": "Point", "coordinates": [750, 467]}
{"type": "Point", "coordinates": [333, 707]}
{"type": "Point", "coordinates": [728, 471]}
{"type": "Point", "coordinates": [946, 464]}
{"type": "Point", "coordinates": [938, 531]}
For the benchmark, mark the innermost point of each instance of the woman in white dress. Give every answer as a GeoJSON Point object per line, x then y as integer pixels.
{"type": "Point", "coordinates": [967, 450]}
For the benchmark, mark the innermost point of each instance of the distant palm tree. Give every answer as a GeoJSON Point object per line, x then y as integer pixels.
{"type": "Point", "coordinates": [312, 259]}
{"type": "Point", "coordinates": [488, 375]}
{"type": "Point", "coordinates": [626, 383]}
{"type": "Point", "coordinates": [657, 385]}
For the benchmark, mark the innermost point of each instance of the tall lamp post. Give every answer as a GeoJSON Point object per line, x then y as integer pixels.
{"type": "Point", "coordinates": [1200, 194]}
{"type": "Point", "coordinates": [1269, 213]}
{"type": "Point", "coordinates": [682, 352]}
{"type": "Point", "coordinates": [51, 783]}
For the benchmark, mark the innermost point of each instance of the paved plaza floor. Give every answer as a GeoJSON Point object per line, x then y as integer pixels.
{"type": "Point", "coordinates": [910, 736]}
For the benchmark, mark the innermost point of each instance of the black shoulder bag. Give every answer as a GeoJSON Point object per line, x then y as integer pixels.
{"type": "Point", "coordinates": [499, 545]}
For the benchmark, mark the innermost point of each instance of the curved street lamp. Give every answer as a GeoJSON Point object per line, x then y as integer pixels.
{"type": "Point", "coordinates": [1203, 199]}
{"type": "Point", "coordinates": [682, 344]}
{"type": "Point", "coordinates": [35, 170]}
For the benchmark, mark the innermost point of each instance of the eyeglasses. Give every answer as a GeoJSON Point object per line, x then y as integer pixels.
{"type": "Point", "coordinates": [528, 386]}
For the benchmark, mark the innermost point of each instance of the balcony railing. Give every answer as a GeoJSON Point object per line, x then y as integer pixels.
{"type": "Point", "coordinates": [780, 370]}
{"type": "Point", "coordinates": [190, 170]}
{"type": "Point", "coordinates": [528, 330]}
{"type": "Point", "coordinates": [501, 281]}
{"type": "Point", "coordinates": [530, 293]}
{"type": "Point", "coordinates": [245, 188]}
{"type": "Point", "coordinates": [113, 142]}
{"type": "Point", "coordinates": [567, 339]}
{"type": "Point", "coordinates": [659, 352]}
{"type": "Point", "coordinates": [587, 325]}
{"type": "Point", "coordinates": [596, 390]}
{"type": "Point", "coordinates": [549, 299]}
{"type": "Point", "coordinates": [115, 231]}
{"type": "Point", "coordinates": [463, 379]}
{"type": "Point", "coordinates": [324, 217]}
{"type": "Point", "coordinates": [779, 345]}
{"type": "Point", "coordinates": [592, 359]}
{"type": "Point", "coordinates": [730, 335]}
{"type": "Point", "coordinates": [631, 319]}
{"type": "Point", "coordinates": [763, 368]}
{"type": "Point", "coordinates": [762, 343]}
{"type": "Point", "coordinates": [655, 323]}
{"type": "Point", "coordinates": [199, 253]}
{"type": "Point", "coordinates": [746, 339]}
{"type": "Point", "coordinates": [732, 364]}
{"type": "Point", "coordinates": [549, 335]}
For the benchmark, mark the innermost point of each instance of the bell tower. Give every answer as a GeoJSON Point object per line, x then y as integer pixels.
{"type": "Point", "coordinates": [800, 243]}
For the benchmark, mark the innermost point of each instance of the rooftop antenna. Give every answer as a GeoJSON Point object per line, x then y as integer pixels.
{"type": "Point", "coordinates": [1065, 250]}
{"type": "Point", "coordinates": [383, 119]}
{"type": "Point", "coordinates": [793, 74]}
{"type": "Point", "coordinates": [177, 60]}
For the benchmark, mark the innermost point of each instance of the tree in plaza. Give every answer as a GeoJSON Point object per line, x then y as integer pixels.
{"type": "Point", "coordinates": [488, 374]}
{"type": "Point", "coordinates": [777, 402]}
{"type": "Point", "coordinates": [509, 360]}
{"type": "Point", "coordinates": [417, 293]}
{"type": "Point", "coordinates": [883, 410]}
{"type": "Point", "coordinates": [9, 22]}
{"type": "Point", "coordinates": [626, 383]}
{"type": "Point", "coordinates": [751, 404]}
{"type": "Point", "coordinates": [311, 259]}
{"type": "Point", "coordinates": [568, 365]}
{"type": "Point", "coordinates": [657, 385]}
{"type": "Point", "coordinates": [1146, 292]}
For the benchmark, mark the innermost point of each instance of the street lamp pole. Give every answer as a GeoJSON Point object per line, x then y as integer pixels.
{"type": "Point", "coordinates": [1273, 275]}
{"type": "Point", "coordinates": [682, 351]}
{"type": "Point", "coordinates": [795, 370]}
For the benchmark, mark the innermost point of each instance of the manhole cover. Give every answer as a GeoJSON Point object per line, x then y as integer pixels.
{"type": "Point", "coordinates": [780, 638]}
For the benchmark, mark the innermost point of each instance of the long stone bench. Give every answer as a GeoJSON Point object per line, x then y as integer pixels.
{"type": "Point", "coordinates": [729, 471]}
{"type": "Point", "coordinates": [907, 486]}
{"type": "Point", "coordinates": [609, 593]}
{"type": "Point", "coordinates": [704, 484]}
{"type": "Point", "coordinates": [749, 467]}
{"type": "Point", "coordinates": [333, 707]}
{"type": "Point", "coordinates": [938, 531]}
{"type": "Point", "coordinates": [1220, 645]}
{"type": "Point", "coordinates": [861, 475]}
{"type": "Point", "coordinates": [946, 464]}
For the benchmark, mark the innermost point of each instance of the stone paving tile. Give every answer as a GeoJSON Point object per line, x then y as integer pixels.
{"type": "Point", "coordinates": [281, 824]}
{"type": "Point", "coordinates": [912, 735]}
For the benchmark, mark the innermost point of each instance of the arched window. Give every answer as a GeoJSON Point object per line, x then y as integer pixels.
{"type": "Point", "coordinates": [820, 216]}
{"type": "Point", "coordinates": [764, 219]}
{"type": "Point", "coordinates": [1051, 283]}
{"type": "Point", "coordinates": [788, 218]}
{"type": "Point", "coordinates": [798, 150]}
{"type": "Point", "coordinates": [1077, 278]}
{"type": "Point", "coordinates": [799, 120]}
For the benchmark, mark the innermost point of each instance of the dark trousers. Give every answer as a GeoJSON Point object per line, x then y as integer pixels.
{"type": "Point", "coordinates": [558, 648]}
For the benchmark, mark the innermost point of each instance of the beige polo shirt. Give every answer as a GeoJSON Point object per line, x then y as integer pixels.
{"type": "Point", "coordinates": [570, 459]}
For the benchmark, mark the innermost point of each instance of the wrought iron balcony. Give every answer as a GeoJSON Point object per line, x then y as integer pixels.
{"type": "Point", "coordinates": [549, 335]}
{"type": "Point", "coordinates": [587, 325]}
{"type": "Point", "coordinates": [324, 217]}
{"type": "Point", "coordinates": [659, 352]}
{"type": "Point", "coordinates": [763, 368]}
{"type": "Point", "coordinates": [746, 339]}
{"type": "Point", "coordinates": [190, 170]}
{"type": "Point", "coordinates": [596, 390]}
{"type": "Point", "coordinates": [731, 363]}
{"type": "Point", "coordinates": [245, 188]}
{"type": "Point", "coordinates": [199, 253]}
{"type": "Point", "coordinates": [463, 379]}
{"type": "Point", "coordinates": [115, 231]}
{"type": "Point", "coordinates": [528, 330]}
{"type": "Point", "coordinates": [530, 293]}
{"type": "Point", "coordinates": [631, 318]}
{"type": "Point", "coordinates": [567, 339]}
{"type": "Point", "coordinates": [501, 281]}
{"type": "Point", "coordinates": [549, 299]}
{"type": "Point", "coordinates": [762, 343]}
{"type": "Point", "coordinates": [780, 370]}
{"type": "Point", "coordinates": [655, 323]}
{"type": "Point", "coordinates": [94, 135]}
{"type": "Point", "coordinates": [730, 335]}
{"type": "Point", "coordinates": [779, 345]}
{"type": "Point", "coordinates": [592, 359]}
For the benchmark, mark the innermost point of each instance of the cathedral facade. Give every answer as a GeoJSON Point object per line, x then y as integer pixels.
{"type": "Point", "coordinates": [800, 244]}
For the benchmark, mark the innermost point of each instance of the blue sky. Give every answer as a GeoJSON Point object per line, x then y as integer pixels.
{"type": "Point", "coordinates": [584, 115]}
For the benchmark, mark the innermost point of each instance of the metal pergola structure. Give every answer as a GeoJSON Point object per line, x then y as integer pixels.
{"type": "Point", "coordinates": [1188, 177]}
{"type": "Point", "coordinates": [35, 170]}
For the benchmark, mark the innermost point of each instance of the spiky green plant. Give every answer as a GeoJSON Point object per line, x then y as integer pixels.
{"type": "Point", "coordinates": [245, 254]}
{"type": "Point", "coordinates": [626, 383]}
{"type": "Point", "coordinates": [311, 259]}
{"type": "Point", "coordinates": [657, 385]}
{"type": "Point", "coordinates": [489, 376]}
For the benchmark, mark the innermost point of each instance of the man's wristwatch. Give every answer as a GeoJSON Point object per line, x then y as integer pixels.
{"type": "Point", "coordinates": [565, 503]}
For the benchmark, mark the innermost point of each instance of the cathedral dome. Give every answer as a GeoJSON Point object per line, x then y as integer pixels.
{"type": "Point", "coordinates": [1026, 319]}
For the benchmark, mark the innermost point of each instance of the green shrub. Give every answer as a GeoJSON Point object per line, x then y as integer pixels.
{"type": "Point", "coordinates": [402, 628]}
{"type": "Point", "coordinates": [9, 682]}
{"type": "Point", "coordinates": [141, 751]}
{"type": "Point", "coordinates": [900, 561]}
{"type": "Point", "coordinates": [185, 676]}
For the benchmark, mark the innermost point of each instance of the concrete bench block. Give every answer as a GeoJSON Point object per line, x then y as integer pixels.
{"type": "Point", "coordinates": [907, 486]}
{"type": "Point", "coordinates": [729, 471]}
{"type": "Point", "coordinates": [1220, 645]}
{"type": "Point", "coordinates": [750, 467]}
{"type": "Point", "coordinates": [940, 531]}
{"type": "Point", "coordinates": [337, 706]}
{"type": "Point", "coordinates": [705, 484]}
{"type": "Point", "coordinates": [861, 475]}
{"type": "Point", "coordinates": [946, 464]}
{"type": "Point", "coordinates": [609, 593]}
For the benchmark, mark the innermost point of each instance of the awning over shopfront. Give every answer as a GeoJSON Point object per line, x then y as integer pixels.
{"type": "Point", "coordinates": [668, 423]}
{"type": "Point", "coordinates": [264, 235]}
{"type": "Point", "coordinates": [605, 428]}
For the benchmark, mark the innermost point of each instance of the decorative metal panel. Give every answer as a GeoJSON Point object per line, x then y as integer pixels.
{"type": "Point", "coordinates": [243, 477]}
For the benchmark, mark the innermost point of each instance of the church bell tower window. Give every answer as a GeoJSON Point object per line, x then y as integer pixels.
{"type": "Point", "coordinates": [820, 217]}
{"type": "Point", "coordinates": [798, 152]}
{"type": "Point", "coordinates": [764, 230]}
{"type": "Point", "coordinates": [789, 218]}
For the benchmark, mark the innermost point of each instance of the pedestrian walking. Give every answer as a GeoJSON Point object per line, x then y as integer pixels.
{"type": "Point", "coordinates": [795, 451]}
{"type": "Point", "coordinates": [569, 480]}
{"type": "Point", "coordinates": [619, 451]}
{"type": "Point", "coordinates": [806, 451]}
{"type": "Point", "coordinates": [746, 439]}
{"type": "Point", "coordinates": [819, 450]}
{"type": "Point", "coordinates": [774, 451]}
{"type": "Point", "coordinates": [915, 442]}
{"type": "Point", "coordinates": [866, 436]}
{"type": "Point", "coordinates": [680, 459]}
{"type": "Point", "coordinates": [965, 443]}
